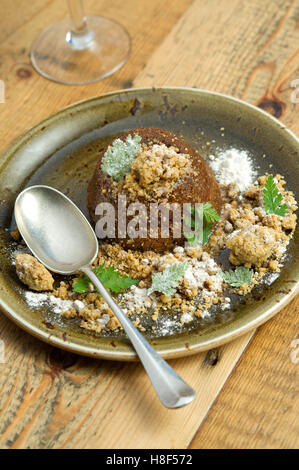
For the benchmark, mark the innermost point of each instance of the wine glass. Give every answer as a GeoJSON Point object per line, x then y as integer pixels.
{"type": "Point", "coordinates": [80, 50]}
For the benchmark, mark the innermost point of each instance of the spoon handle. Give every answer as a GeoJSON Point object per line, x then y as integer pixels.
{"type": "Point", "coordinates": [170, 387]}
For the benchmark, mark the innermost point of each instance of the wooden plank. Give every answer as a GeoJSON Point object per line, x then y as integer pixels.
{"type": "Point", "coordinates": [259, 407]}
{"type": "Point", "coordinates": [258, 68]}
{"type": "Point", "coordinates": [54, 399]}
{"type": "Point", "coordinates": [245, 49]}
{"type": "Point", "coordinates": [30, 97]}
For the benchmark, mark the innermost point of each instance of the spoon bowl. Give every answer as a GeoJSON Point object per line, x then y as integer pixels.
{"type": "Point", "coordinates": [62, 239]}
{"type": "Point", "coordinates": [55, 229]}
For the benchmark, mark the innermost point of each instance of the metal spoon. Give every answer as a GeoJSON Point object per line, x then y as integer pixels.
{"type": "Point", "coordinates": [61, 238]}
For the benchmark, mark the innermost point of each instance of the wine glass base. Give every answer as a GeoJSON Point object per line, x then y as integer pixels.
{"type": "Point", "coordinates": [57, 58]}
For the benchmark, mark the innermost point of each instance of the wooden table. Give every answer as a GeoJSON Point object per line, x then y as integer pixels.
{"type": "Point", "coordinates": [246, 391]}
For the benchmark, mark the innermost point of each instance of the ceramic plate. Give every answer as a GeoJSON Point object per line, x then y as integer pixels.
{"type": "Point", "coordinates": [62, 152]}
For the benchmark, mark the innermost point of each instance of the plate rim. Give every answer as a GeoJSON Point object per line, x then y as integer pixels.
{"type": "Point", "coordinates": [130, 355]}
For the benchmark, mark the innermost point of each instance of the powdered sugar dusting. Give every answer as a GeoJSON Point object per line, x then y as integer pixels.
{"type": "Point", "coordinates": [203, 271]}
{"type": "Point", "coordinates": [233, 166]}
{"type": "Point", "coordinates": [137, 298]}
{"type": "Point", "coordinates": [35, 299]}
{"type": "Point", "coordinates": [186, 318]}
{"type": "Point", "coordinates": [167, 327]}
{"type": "Point", "coordinates": [57, 305]}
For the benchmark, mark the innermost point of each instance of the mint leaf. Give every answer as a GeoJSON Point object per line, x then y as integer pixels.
{"type": "Point", "coordinates": [109, 276]}
{"type": "Point", "coordinates": [81, 284]}
{"type": "Point", "coordinates": [206, 217]}
{"type": "Point", "coordinates": [206, 232]}
{"type": "Point", "coordinates": [200, 237]}
{"type": "Point", "coordinates": [168, 280]}
{"type": "Point", "coordinates": [112, 280]}
{"type": "Point", "coordinates": [119, 157]}
{"type": "Point", "coordinates": [209, 213]}
{"type": "Point", "coordinates": [238, 277]}
{"type": "Point", "coordinates": [273, 198]}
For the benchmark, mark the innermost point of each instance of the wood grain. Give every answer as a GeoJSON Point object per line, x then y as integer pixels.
{"type": "Point", "coordinates": [259, 406]}
{"type": "Point", "coordinates": [246, 49]}
{"type": "Point", "coordinates": [29, 97]}
{"type": "Point", "coordinates": [53, 399]}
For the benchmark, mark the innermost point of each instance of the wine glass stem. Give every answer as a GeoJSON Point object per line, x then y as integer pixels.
{"type": "Point", "coordinates": [79, 37]}
{"type": "Point", "coordinates": [77, 15]}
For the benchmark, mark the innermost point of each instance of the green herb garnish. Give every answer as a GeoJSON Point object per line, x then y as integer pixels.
{"type": "Point", "coordinates": [209, 213]}
{"type": "Point", "coordinates": [273, 198]}
{"type": "Point", "coordinates": [167, 281]}
{"type": "Point", "coordinates": [109, 277]}
{"type": "Point", "coordinates": [205, 216]}
{"type": "Point", "coordinates": [119, 157]}
{"type": "Point", "coordinates": [238, 277]}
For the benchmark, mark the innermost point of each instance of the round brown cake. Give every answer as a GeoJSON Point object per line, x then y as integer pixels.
{"type": "Point", "coordinates": [182, 177]}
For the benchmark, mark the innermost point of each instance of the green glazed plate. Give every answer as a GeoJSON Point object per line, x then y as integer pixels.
{"type": "Point", "coordinates": [62, 152]}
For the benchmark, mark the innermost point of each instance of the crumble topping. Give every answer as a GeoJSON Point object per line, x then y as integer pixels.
{"type": "Point", "coordinates": [252, 245]}
{"type": "Point", "coordinates": [253, 238]}
{"type": "Point", "coordinates": [155, 171]}
{"type": "Point", "coordinates": [32, 273]}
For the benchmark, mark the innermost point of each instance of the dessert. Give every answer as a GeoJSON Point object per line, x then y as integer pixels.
{"type": "Point", "coordinates": [166, 170]}
{"type": "Point", "coordinates": [166, 283]}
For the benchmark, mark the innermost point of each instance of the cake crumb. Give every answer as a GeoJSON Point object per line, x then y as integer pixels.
{"type": "Point", "coordinates": [32, 273]}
